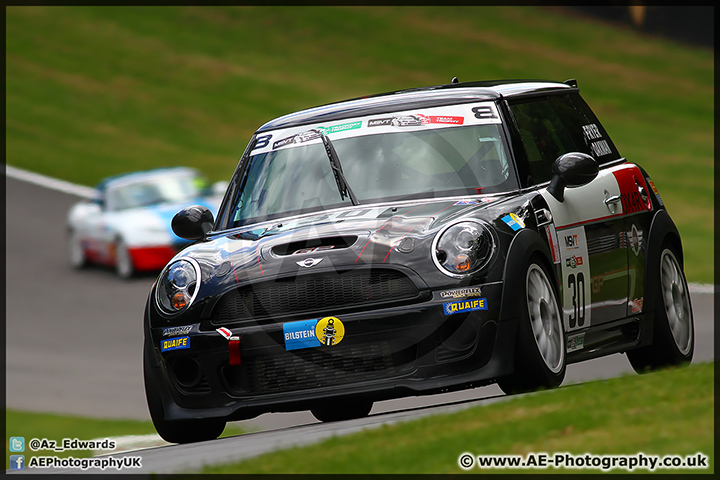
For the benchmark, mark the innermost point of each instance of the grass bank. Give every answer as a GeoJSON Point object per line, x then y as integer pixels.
{"type": "Point", "coordinates": [665, 413]}
{"type": "Point", "coordinates": [95, 91]}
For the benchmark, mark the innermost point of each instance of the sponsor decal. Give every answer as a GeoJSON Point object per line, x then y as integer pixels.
{"type": "Point", "coordinates": [174, 331]}
{"type": "Point", "coordinates": [597, 282]}
{"type": "Point", "coordinates": [463, 306]}
{"type": "Point", "coordinates": [632, 190]}
{"type": "Point", "coordinates": [309, 262]}
{"type": "Point", "coordinates": [340, 128]}
{"type": "Point", "coordinates": [178, 343]}
{"type": "Point", "coordinates": [654, 189]}
{"type": "Point", "coordinates": [575, 342]}
{"type": "Point", "coordinates": [461, 292]}
{"type": "Point", "coordinates": [552, 240]}
{"type": "Point", "coordinates": [513, 221]}
{"type": "Point", "coordinates": [416, 119]}
{"type": "Point", "coordinates": [466, 202]}
{"type": "Point", "coordinates": [440, 119]}
{"type": "Point", "coordinates": [573, 261]}
{"type": "Point", "coordinates": [297, 138]}
{"type": "Point", "coordinates": [327, 332]}
{"type": "Point", "coordinates": [571, 242]}
{"type": "Point", "coordinates": [635, 237]}
{"type": "Point", "coordinates": [330, 331]}
{"type": "Point", "coordinates": [636, 305]}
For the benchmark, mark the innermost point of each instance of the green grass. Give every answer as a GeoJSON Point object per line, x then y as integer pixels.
{"type": "Point", "coordinates": [664, 413]}
{"type": "Point", "coordinates": [57, 427]}
{"type": "Point", "coordinates": [95, 91]}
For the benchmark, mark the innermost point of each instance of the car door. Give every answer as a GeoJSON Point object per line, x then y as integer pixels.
{"type": "Point", "coordinates": [588, 223]}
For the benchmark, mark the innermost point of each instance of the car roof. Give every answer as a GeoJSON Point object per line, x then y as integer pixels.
{"type": "Point", "coordinates": [132, 177]}
{"type": "Point", "coordinates": [423, 97]}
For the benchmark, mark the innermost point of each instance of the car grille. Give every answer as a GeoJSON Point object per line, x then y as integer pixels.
{"type": "Point", "coordinates": [314, 293]}
{"type": "Point", "coordinates": [316, 368]}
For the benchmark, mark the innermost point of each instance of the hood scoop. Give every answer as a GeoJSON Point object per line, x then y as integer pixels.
{"type": "Point", "coordinates": [312, 245]}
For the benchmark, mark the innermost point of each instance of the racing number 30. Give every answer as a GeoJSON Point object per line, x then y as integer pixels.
{"type": "Point", "coordinates": [577, 283]}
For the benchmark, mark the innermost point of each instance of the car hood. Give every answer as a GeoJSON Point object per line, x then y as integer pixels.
{"type": "Point", "coordinates": [399, 233]}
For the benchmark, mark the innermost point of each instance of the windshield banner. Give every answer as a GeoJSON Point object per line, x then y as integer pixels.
{"type": "Point", "coordinates": [482, 113]}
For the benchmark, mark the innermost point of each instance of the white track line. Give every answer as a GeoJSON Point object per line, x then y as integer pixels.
{"type": "Point", "coordinates": [49, 182]}
{"type": "Point", "coordinates": [88, 192]}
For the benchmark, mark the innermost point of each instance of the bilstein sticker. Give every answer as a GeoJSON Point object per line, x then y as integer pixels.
{"type": "Point", "coordinates": [327, 331]}
{"type": "Point", "coordinates": [465, 306]}
{"type": "Point", "coordinates": [178, 343]}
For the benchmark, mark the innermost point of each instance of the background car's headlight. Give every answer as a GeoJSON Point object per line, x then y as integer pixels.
{"type": "Point", "coordinates": [177, 286]}
{"type": "Point", "coordinates": [463, 248]}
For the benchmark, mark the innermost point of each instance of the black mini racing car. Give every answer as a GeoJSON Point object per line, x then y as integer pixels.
{"type": "Point", "coordinates": [497, 238]}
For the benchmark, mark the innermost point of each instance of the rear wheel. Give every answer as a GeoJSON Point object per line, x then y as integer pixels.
{"type": "Point", "coordinates": [123, 260]}
{"type": "Point", "coordinates": [342, 411]}
{"type": "Point", "coordinates": [177, 431]}
{"type": "Point", "coordinates": [673, 328]}
{"type": "Point", "coordinates": [540, 340]}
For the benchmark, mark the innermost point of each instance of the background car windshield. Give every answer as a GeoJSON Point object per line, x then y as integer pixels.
{"type": "Point", "coordinates": [392, 166]}
{"type": "Point", "coordinates": [166, 189]}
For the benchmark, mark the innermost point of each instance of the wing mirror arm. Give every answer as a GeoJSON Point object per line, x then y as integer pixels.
{"type": "Point", "coordinates": [572, 169]}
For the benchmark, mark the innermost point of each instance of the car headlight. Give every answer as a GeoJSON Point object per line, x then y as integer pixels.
{"type": "Point", "coordinates": [463, 248]}
{"type": "Point", "coordinates": [177, 286]}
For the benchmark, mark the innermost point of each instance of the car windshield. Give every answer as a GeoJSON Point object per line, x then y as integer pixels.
{"type": "Point", "coordinates": [384, 158]}
{"type": "Point", "coordinates": [155, 190]}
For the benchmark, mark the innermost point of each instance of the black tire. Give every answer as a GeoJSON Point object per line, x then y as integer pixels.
{"type": "Point", "coordinates": [78, 259]}
{"type": "Point", "coordinates": [177, 431]}
{"type": "Point", "coordinates": [124, 266]}
{"type": "Point", "coordinates": [539, 358]}
{"type": "Point", "coordinates": [342, 411]}
{"type": "Point", "coordinates": [673, 340]}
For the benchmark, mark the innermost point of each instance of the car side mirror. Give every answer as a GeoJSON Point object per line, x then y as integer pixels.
{"type": "Point", "coordinates": [193, 222]}
{"type": "Point", "coordinates": [572, 169]}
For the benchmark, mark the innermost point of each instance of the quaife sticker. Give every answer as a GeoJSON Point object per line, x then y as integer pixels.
{"type": "Point", "coordinates": [327, 332]}
{"type": "Point", "coordinates": [178, 343]}
{"type": "Point", "coordinates": [463, 306]}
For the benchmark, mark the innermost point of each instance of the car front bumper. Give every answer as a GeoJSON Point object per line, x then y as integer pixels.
{"type": "Point", "coordinates": [386, 353]}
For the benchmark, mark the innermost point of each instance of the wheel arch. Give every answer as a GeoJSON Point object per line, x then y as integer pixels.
{"type": "Point", "coordinates": [525, 245]}
{"type": "Point", "coordinates": [662, 229]}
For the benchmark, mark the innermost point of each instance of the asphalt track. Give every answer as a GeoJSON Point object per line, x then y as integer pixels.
{"type": "Point", "coordinates": [74, 343]}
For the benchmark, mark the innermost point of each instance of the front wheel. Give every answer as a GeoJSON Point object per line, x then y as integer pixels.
{"type": "Point", "coordinates": [540, 339]}
{"type": "Point", "coordinates": [177, 431]}
{"type": "Point", "coordinates": [673, 328]}
{"type": "Point", "coordinates": [78, 258]}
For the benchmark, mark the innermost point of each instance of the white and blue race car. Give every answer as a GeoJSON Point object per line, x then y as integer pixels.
{"type": "Point", "coordinates": [127, 223]}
